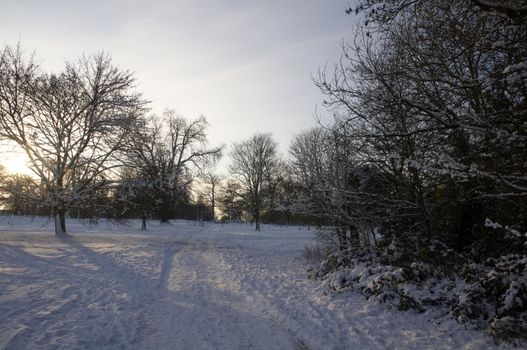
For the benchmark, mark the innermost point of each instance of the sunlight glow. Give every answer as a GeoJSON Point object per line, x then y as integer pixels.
{"type": "Point", "coordinates": [16, 163]}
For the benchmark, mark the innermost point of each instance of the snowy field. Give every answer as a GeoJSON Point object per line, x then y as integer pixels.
{"type": "Point", "coordinates": [183, 286]}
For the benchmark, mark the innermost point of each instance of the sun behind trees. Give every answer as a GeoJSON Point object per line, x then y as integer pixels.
{"type": "Point", "coordinates": [88, 141]}
{"type": "Point", "coordinates": [72, 125]}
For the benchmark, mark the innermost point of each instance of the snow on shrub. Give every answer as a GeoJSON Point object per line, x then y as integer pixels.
{"type": "Point", "coordinates": [492, 296]}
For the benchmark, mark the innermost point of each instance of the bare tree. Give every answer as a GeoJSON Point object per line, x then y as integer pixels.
{"type": "Point", "coordinates": [309, 158]}
{"type": "Point", "coordinates": [427, 150]}
{"type": "Point", "coordinates": [166, 155]}
{"type": "Point", "coordinates": [71, 124]}
{"type": "Point", "coordinates": [212, 180]}
{"type": "Point", "coordinates": [254, 163]}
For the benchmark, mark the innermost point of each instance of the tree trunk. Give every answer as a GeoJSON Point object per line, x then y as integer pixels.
{"type": "Point", "coordinates": [257, 220]}
{"type": "Point", "coordinates": [213, 201]}
{"type": "Point", "coordinates": [213, 207]}
{"type": "Point", "coordinates": [257, 203]}
{"type": "Point", "coordinates": [60, 222]}
{"type": "Point", "coordinates": [143, 221]}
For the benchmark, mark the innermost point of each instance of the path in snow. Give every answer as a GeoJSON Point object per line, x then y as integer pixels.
{"type": "Point", "coordinates": [187, 287]}
{"type": "Point", "coordinates": [199, 307]}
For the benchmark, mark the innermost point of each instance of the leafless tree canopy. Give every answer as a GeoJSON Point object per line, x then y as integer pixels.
{"type": "Point", "coordinates": [212, 182]}
{"type": "Point", "coordinates": [70, 124]}
{"type": "Point", "coordinates": [427, 152]}
{"type": "Point", "coordinates": [165, 155]}
{"type": "Point", "coordinates": [254, 163]}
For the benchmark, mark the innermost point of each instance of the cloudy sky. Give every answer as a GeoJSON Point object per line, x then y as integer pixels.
{"type": "Point", "coordinates": [245, 65]}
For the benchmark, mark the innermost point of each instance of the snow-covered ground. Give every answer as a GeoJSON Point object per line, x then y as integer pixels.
{"type": "Point", "coordinates": [183, 286]}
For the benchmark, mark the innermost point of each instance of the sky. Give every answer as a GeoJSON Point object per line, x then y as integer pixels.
{"type": "Point", "coordinates": [245, 65]}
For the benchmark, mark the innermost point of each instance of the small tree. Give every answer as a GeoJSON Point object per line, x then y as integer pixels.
{"type": "Point", "coordinates": [70, 124]}
{"type": "Point", "coordinates": [254, 163]}
{"type": "Point", "coordinates": [212, 181]}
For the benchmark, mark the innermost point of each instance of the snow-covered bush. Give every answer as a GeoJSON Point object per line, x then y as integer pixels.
{"type": "Point", "coordinates": [490, 296]}
{"type": "Point", "coordinates": [315, 254]}
{"type": "Point", "coordinates": [495, 295]}
{"type": "Point", "coordinates": [404, 288]}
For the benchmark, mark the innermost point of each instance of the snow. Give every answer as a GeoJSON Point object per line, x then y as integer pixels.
{"type": "Point", "coordinates": [185, 286]}
{"type": "Point", "coordinates": [511, 299]}
{"type": "Point", "coordinates": [490, 223]}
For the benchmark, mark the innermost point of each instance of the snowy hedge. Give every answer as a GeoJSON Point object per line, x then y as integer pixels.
{"type": "Point", "coordinates": [492, 296]}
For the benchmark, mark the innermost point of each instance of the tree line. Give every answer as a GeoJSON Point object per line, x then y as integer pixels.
{"type": "Point", "coordinates": [428, 135]}
{"type": "Point", "coordinates": [95, 151]}
{"type": "Point", "coordinates": [90, 142]}
{"type": "Point", "coordinates": [424, 167]}
{"type": "Point", "coordinates": [428, 146]}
